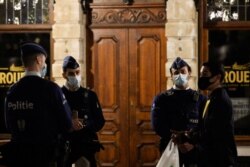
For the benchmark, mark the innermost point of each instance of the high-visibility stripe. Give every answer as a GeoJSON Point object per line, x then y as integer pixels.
{"type": "Point", "coordinates": [205, 109]}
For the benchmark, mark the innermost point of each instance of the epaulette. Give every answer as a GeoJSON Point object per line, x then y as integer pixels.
{"type": "Point", "coordinates": [86, 92]}
{"type": "Point", "coordinates": [168, 92]}
{"type": "Point", "coordinates": [196, 96]}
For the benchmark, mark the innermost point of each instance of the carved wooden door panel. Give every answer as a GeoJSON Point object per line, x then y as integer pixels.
{"type": "Point", "coordinates": [128, 70]}
{"type": "Point", "coordinates": [146, 79]}
{"type": "Point", "coordinates": [110, 70]}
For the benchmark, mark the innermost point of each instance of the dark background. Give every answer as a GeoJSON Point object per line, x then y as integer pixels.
{"type": "Point", "coordinates": [10, 53]}
{"type": "Point", "coordinates": [229, 47]}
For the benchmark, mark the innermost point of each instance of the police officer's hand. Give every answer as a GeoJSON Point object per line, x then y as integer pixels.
{"type": "Point", "coordinates": [77, 125]}
{"type": "Point", "coordinates": [185, 147]}
{"type": "Point", "coordinates": [177, 136]}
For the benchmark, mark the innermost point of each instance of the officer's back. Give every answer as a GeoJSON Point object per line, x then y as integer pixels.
{"type": "Point", "coordinates": [36, 113]}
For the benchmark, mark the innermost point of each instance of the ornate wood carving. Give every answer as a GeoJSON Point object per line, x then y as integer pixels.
{"type": "Point", "coordinates": [128, 16]}
{"type": "Point", "coordinates": [125, 52]}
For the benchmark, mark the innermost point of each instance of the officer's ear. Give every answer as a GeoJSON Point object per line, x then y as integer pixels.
{"type": "Point", "coordinates": [39, 59]}
{"type": "Point", "coordinates": [64, 74]}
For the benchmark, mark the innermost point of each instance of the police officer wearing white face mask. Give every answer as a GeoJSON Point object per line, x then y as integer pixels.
{"type": "Point", "coordinates": [36, 113]}
{"type": "Point", "coordinates": [175, 112]}
{"type": "Point", "coordinates": [86, 114]}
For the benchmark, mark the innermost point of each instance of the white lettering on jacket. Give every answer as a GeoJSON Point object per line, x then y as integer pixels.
{"type": "Point", "coordinates": [20, 105]}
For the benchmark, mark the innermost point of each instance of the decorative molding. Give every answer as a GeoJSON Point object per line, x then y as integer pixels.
{"type": "Point", "coordinates": [111, 149]}
{"type": "Point", "coordinates": [111, 128]}
{"type": "Point", "coordinates": [144, 127]}
{"type": "Point", "coordinates": [143, 147]}
{"type": "Point", "coordinates": [129, 16]}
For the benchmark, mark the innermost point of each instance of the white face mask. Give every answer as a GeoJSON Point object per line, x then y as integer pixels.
{"type": "Point", "coordinates": [74, 81]}
{"type": "Point", "coordinates": [180, 79]}
{"type": "Point", "coordinates": [44, 71]}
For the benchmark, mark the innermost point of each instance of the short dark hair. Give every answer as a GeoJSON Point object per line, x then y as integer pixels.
{"type": "Point", "coordinates": [29, 51]}
{"type": "Point", "coordinates": [215, 68]}
{"type": "Point", "coordinates": [29, 60]}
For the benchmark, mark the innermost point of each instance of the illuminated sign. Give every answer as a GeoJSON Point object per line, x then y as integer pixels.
{"type": "Point", "coordinates": [237, 75]}
{"type": "Point", "coordinates": [10, 75]}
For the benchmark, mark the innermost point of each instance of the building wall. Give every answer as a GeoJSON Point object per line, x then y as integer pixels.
{"type": "Point", "coordinates": [181, 32]}
{"type": "Point", "coordinates": [69, 37]}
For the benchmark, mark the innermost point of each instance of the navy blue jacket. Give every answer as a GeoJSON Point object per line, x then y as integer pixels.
{"type": "Point", "coordinates": [87, 104]}
{"type": "Point", "coordinates": [36, 114]}
{"type": "Point", "coordinates": [176, 110]}
{"type": "Point", "coordinates": [36, 110]}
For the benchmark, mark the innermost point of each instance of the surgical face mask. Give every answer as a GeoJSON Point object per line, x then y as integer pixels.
{"type": "Point", "coordinates": [74, 81]}
{"type": "Point", "coordinates": [204, 83]}
{"type": "Point", "coordinates": [44, 70]}
{"type": "Point", "coordinates": [180, 80]}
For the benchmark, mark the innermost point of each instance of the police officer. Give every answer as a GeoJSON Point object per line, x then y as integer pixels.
{"type": "Point", "coordinates": [175, 112]}
{"type": "Point", "coordinates": [85, 108]}
{"type": "Point", "coordinates": [36, 111]}
{"type": "Point", "coordinates": [216, 146]}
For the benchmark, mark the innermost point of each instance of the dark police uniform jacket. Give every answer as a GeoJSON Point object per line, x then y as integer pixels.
{"type": "Point", "coordinates": [217, 146]}
{"type": "Point", "coordinates": [36, 113]}
{"type": "Point", "coordinates": [176, 110]}
{"type": "Point", "coordinates": [89, 110]}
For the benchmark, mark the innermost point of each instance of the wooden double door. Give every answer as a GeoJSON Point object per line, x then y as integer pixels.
{"type": "Point", "coordinates": [128, 69]}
